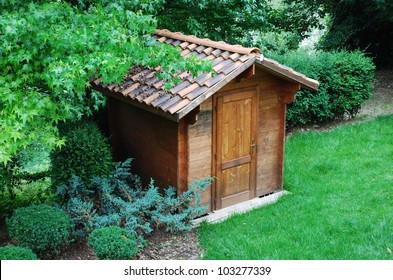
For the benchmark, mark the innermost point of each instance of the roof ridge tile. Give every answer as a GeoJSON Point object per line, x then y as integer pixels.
{"type": "Point", "coordinates": [204, 41]}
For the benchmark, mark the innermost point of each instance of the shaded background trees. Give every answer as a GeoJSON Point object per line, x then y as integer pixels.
{"type": "Point", "coordinates": [366, 25]}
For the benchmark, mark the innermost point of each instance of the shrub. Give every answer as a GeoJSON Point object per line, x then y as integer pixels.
{"type": "Point", "coordinates": [17, 253]}
{"type": "Point", "coordinates": [121, 200]}
{"type": "Point", "coordinates": [345, 83]}
{"type": "Point", "coordinates": [113, 243]}
{"type": "Point", "coordinates": [86, 153]}
{"type": "Point", "coordinates": [42, 228]}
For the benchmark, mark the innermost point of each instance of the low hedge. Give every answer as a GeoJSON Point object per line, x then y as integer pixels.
{"type": "Point", "coordinates": [16, 253]}
{"type": "Point", "coordinates": [113, 243]}
{"type": "Point", "coordinates": [346, 81]}
{"type": "Point", "coordinates": [42, 228]}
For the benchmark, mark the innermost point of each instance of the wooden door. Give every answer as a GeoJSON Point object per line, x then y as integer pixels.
{"type": "Point", "coordinates": [235, 133]}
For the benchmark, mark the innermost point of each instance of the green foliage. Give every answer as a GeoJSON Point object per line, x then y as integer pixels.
{"type": "Point", "coordinates": [277, 43]}
{"type": "Point", "coordinates": [42, 228]}
{"type": "Point", "coordinates": [25, 194]}
{"type": "Point", "coordinates": [121, 200]}
{"type": "Point", "coordinates": [24, 179]}
{"type": "Point", "coordinates": [224, 20]}
{"type": "Point", "coordinates": [86, 153]}
{"type": "Point", "coordinates": [16, 253]}
{"type": "Point", "coordinates": [345, 82]}
{"type": "Point", "coordinates": [366, 25]}
{"type": "Point", "coordinates": [49, 52]}
{"type": "Point", "coordinates": [294, 16]}
{"type": "Point", "coordinates": [113, 243]}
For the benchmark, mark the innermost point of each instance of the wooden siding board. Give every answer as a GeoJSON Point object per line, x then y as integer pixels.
{"type": "Point", "coordinates": [149, 139]}
{"type": "Point", "coordinates": [200, 149]}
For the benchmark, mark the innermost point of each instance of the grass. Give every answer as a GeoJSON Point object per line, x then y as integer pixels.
{"type": "Point", "coordinates": [340, 206]}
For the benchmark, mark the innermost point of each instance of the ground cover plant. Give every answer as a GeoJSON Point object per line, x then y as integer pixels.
{"type": "Point", "coordinates": [340, 206]}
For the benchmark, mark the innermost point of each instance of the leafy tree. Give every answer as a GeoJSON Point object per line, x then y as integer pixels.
{"type": "Point", "coordinates": [50, 50]}
{"type": "Point", "coordinates": [366, 25]}
{"type": "Point", "coordinates": [226, 20]}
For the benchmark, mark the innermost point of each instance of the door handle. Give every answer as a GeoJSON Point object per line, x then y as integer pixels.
{"type": "Point", "coordinates": [253, 146]}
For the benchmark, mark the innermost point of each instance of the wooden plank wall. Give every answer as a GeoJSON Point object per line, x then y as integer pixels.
{"type": "Point", "coordinates": [150, 139]}
{"type": "Point", "coordinates": [200, 149]}
{"type": "Point", "coordinates": [270, 141]}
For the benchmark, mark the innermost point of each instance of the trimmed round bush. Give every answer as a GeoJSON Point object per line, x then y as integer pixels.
{"type": "Point", "coordinates": [17, 253]}
{"type": "Point", "coordinates": [42, 228]}
{"type": "Point", "coordinates": [86, 154]}
{"type": "Point", "coordinates": [113, 243]}
{"type": "Point", "coordinates": [346, 81]}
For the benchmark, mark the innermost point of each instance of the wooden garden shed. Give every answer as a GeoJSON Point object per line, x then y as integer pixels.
{"type": "Point", "coordinates": [230, 125]}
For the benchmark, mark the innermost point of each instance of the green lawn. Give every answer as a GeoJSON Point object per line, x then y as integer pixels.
{"type": "Point", "coordinates": [340, 206]}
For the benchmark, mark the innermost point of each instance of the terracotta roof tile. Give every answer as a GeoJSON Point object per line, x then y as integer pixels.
{"type": "Point", "coordinates": [130, 89]}
{"type": "Point", "coordinates": [185, 52]}
{"type": "Point", "coordinates": [160, 100]}
{"type": "Point", "coordinates": [199, 49]}
{"type": "Point", "coordinates": [203, 78]}
{"type": "Point", "coordinates": [142, 84]}
{"type": "Point", "coordinates": [159, 84]}
{"type": "Point", "coordinates": [176, 43]}
{"type": "Point", "coordinates": [192, 46]}
{"type": "Point", "coordinates": [187, 89]}
{"type": "Point", "coordinates": [225, 54]}
{"type": "Point", "coordinates": [176, 107]}
{"type": "Point", "coordinates": [137, 91]}
{"type": "Point", "coordinates": [222, 64]}
{"type": "Point", "coordinates": [216, 52]}
{"type": "Point", "coordinates": [208, 50]}
{"type": "Point", "coordinates": [231, 67]}
{"type": "Point", "coordinates": [217, 60]}
{"type": "Point", "coordinates": [197, 92]}
{"type": "Point", "coordinates": [234, 56]}
{"type": "Point", "coordinates": [165, 105]}
{"type": "Point", "coordinates": [180, 87]}
{"type": "Point", "coordinates": [201, 55]}
{"type": "Point", "coordinates": [214, 80]}
{"type": "Point", "coordinates": [152, 80]}
{"type": "Point", "coordinates": [151, 98]}
{"type": "Point", "coordinates": [184, 45]}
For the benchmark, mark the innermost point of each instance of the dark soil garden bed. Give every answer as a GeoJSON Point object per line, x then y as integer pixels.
{"type": "Point", "coordinates": [161, 245]}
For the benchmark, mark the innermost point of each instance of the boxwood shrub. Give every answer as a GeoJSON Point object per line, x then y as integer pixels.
{"type": "Point", "coordinates": [16, 253]}
{"type": "Point", "coordinates": [42, 228]}
{"type": "Point", "coordinates": [346, 80]}
{"type": "Point", "coordinates": [86, 153]}
{"type": "Point", "coordinates": [113, 243]}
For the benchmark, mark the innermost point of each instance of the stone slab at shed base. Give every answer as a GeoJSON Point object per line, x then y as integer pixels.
{"type": "Point", "coordinates": [225, 213]}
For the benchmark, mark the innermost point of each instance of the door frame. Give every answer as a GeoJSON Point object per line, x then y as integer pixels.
{"type": "Point", "coordinates": [216, 201]}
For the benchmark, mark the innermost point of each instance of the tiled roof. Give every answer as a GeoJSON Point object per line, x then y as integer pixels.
{"type": "Point", "coordinates": [143, 88]}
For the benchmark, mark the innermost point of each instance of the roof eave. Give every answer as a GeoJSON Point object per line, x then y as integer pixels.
{"type": "Point", "coordinates": [127, 99]}
{"type": "Point", "coordinates": [287, 73]}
